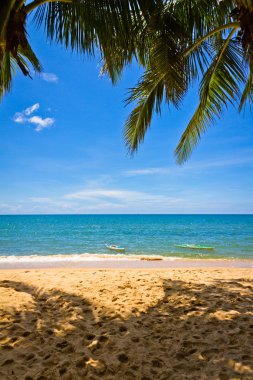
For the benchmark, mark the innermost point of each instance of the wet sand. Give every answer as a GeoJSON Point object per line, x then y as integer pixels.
{"type": "Point", "coordinates": [99, 261]}
{"type": "Point", "coordinates": [144, 324]}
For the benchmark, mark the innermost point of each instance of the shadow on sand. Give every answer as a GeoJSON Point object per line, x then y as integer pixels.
{"type": "Point", "coordinates": [193, 332]}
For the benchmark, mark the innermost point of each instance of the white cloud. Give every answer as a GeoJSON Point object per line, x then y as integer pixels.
{"type": "Point", "coordinates": [104, 200]}
{"type": "Point", "coordinates": [40, 199]}
{"type": "Point", "coordinates": [223, 162]}
{"type": "Point", "coordinates": [19, 118]}
{"type": "Point", "coordinates": [147, 171]}
{"type": "Point", "coordinates": [10, 208]}
{"type": "Point", "coordinates": [49, 77]}
{"type": "Point", "coordinates": [39, 122]}
{"type": "Point", "coordinates": [118, 198]}
{"type": "Point", "coordinates": [28, 111]}
{"type": "Point", "coordinates": [243, 159]}
{"type": "Point", "coordinates": [112, 200]}
{"type": "Point", "coordinates": [102, 193]}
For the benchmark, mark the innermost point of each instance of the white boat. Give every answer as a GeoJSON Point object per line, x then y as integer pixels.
{"type": "Point", "coordinates": [115, 248]}
{"type": "Point", "coordinates": [194, 246]}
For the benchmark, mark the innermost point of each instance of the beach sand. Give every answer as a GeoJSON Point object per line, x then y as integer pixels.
{"type": "Point", "coordinates": [147, 324]}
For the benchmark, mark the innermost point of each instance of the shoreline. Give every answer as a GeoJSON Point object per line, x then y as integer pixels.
{"type": "Point", "coordinates": [106, 261]}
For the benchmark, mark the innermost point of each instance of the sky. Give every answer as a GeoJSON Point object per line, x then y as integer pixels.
{"type": "Point", "coordinates": [62, 149]}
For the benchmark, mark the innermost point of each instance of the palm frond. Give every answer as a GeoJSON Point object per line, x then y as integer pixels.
{"type": "Point", "coordinates": [199, 17]}
{"type": "Point", "coordinates": [5, 74]}
{"type": "Point", "coordinates": [168, 77]}
{"type": "Point", "coordinates": [184, 37]}
{"type": "Point", "coordinates": [5, 10]}
{"type": "Point", "coordinates": [247, 95]}
{"type": "Point", "coordinates": [23, 59]}
{"type": "Point", "coordinates": [151, 92]}
{"type": "Point", "coordinates": [30, 57]}
{"type": "Point", "coordinates": [88, 26]}
{"type": "Point", "coordinates": [219, 87]}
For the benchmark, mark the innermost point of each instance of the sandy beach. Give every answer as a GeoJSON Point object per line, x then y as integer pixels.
{"type": "Point", "coordinates": [172, 323]}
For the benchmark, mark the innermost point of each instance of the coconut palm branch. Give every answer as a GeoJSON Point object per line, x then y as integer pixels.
{"type": "Point", "coordinates": [219, 86]}
{"type": "Point", "coordinates": [86, 26]}
{"type": "Point", "coordinates": [15, 50]}
{"type": "Point", "coordinates": [175, 63]}
{"type": "Point", "coordinates": [216, 56]}
{"type": "Point", "coordinates": [247, 95]}
{"type": "Point", "coordinates": [178, 43]}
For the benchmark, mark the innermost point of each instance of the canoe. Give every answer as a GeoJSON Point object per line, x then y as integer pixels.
{"type": "Point", "coordinates": [115, 248]}
{"type": "Point", "coordinates": [194, 246]}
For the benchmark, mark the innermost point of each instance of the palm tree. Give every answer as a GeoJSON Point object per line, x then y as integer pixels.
{"type": "Point", "coordinates": [178, 43]}
{"type": "Point", "coordinates": [91, 27]}
{"type": "Point", "coordinates": [214, 47]}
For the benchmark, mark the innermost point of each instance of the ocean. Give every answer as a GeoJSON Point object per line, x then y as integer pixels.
{"type": "Point", "coordinates": [44, 235]}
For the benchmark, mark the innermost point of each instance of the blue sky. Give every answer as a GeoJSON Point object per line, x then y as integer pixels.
{"type": "Point", "coordinates": [62, 148]}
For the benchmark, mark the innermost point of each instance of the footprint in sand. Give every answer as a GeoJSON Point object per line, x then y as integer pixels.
{"type": "Point", "coordinates": [30, 357]}
{"type": "Point", "coordinates": [103, 338]}
{"type": "Point", "coordinates": [123, 358]}
{"type": "Point", "coordinates": [8, 362]}
{"type": "Point", "coordinates": [157, 363]}
{"type": "Point", "coordinates": [90, 336]}
{"type": "Point", "coordinates": [123, 329]}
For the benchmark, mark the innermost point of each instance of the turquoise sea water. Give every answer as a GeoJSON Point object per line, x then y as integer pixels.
{"type": "Point", "coordinates": [231, 235]}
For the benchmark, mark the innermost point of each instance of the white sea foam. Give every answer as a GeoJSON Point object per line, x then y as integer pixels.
{"type": "Point", "coordinates": [77, 258]}
{"type": "Point", "coordinates": [87, 260]}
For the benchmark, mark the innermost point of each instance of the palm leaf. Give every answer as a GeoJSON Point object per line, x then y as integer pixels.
{"type": "Point", "coordinates": [152, 90]}
{"type": "Point", "coordinates": [22, 60]}
{"type": "Point", "coordinates": [168, 77]}
{"type": "Point", "coordinates": [5, 74]}
{"type": "Point", "coordinates": [5, 10]}
{"type": "Point", "coordinates": [199, 17]}
{"type": "Point", "coordinates": [179, 53]}
{"type": "Point", "coordinates": [89, 26]}
{"type": "Point", "coordinates": [247, 95]}
{"type": "Point", "coordinates": [219, 86]}
{"type": "Point", "coordinates": [30, 57]}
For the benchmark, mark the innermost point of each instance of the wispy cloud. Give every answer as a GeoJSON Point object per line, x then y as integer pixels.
{"type": "Point", "coordinates": [28, 111]}
{"type": "Point", "coordinates": [40, 199]}
{"type": "Point", "coordinates": [243, 159]}
{"type": "Point", "coordinates": [120, 198]}
{"type": "Point", "coordinates": [10, 208]}
{"type": "Point", "coordinates": [21, 117]}
{"type": "Point", "coordinates": [114, 200]}
{"type": "Point", "coordinates": [146, 171]}
{"type": "Point", "coordinates": [102, 193]}
{"type": "Point", "coordinates": [223, 162]}
{"type": "Point", "coordinates": [104, 200]}
{"type": "Point", "coordinates": [39, 122]}
{"type": "Point", "coordinates": [50, 77]}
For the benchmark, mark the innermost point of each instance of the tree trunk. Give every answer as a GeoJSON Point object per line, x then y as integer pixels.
{"type": "Point", "coordinates": [13, 30]}
{"type": "Point", "coordinates": [245, 17]}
